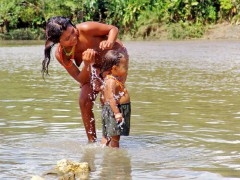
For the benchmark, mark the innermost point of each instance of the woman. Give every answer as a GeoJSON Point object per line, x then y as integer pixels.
{"type": "Point", "coordinates": [86, 43]}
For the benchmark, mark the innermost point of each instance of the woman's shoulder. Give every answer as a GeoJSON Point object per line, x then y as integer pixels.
{"type": "Point", "coordinates": [85, 26]}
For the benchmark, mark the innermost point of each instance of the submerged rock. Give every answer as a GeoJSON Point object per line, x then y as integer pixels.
{"type": "Point", "coordinates": [68, 170]}
{"type": "Point", "coordinates": [66, 166]}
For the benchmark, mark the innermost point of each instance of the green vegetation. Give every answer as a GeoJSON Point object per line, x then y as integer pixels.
{"type": "Point", "coordinates": [175, 19]}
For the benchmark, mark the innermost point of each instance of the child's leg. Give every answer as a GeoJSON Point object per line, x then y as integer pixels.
{"type": "Point", "coordinates": [114, 142]}
{"type": "Point", "coordinates": [105, 141]}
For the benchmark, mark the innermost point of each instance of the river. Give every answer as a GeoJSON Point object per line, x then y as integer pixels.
{"type": "Point", "coordinates": [185, 114]}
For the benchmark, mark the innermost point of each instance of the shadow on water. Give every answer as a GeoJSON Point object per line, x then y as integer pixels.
{"type": "Point", "coordinates": [185, 99]}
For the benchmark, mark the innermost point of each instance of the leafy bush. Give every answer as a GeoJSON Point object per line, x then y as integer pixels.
{"type": "Point", "coordinates": [185, 30]}
{"type": "Point", "coordinates": [26, 34]}
{"type": "Point", "coordinates": [142, 18]}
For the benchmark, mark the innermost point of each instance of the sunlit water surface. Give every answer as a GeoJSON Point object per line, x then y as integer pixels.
{"type": "Point", "coordinates": [184, 124]}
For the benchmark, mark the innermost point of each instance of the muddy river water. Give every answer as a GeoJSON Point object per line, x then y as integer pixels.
{"type": "Point", "coordinates": [185, 114]}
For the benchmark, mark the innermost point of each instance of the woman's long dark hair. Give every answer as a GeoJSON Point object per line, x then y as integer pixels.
{"type": "Point", "coordinates": [54, 29]}
{"type": "Point", "coordinates": [111, 58]}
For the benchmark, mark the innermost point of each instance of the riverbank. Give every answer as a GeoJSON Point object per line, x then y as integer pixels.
{"type": "Point", "coordinates": [222, 31]}
{"type": "Point", "coordinates": [158, 32]}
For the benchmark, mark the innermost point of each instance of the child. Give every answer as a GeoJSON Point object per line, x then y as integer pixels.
{"type": "Point", "coordinates": [116, 110]}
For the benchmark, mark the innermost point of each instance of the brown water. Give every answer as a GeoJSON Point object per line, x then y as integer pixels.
{"type": "Point", "coordinates": [185, 114]}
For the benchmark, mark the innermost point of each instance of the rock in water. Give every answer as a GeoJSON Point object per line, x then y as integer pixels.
{"type": "Point", "coordinates": [65, 166]}
{"type": "Point", "coordinates": [68, 170]}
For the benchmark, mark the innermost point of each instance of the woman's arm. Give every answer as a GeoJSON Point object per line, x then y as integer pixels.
{"type": "Point", "coordinates": [82, 76]}
{"type": "Point", "coordinates": [99, 29]}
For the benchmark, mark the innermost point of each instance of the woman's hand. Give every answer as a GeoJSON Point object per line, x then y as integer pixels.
{"type": "Point", "coordinates": [106, 45]}
{"type": "Point", "coordinates": [88, 56]}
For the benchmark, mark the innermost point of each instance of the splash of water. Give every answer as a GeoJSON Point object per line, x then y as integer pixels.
{"type": "Point", "coordinates": [95, 79]}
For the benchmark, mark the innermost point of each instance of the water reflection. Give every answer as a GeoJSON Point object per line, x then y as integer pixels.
{"type": "Point", "coordinates": [185, 99]}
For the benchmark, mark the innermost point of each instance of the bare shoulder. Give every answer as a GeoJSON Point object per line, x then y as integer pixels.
{"type": "Point", "coordinates": [110, 82]}
{"type": "Point", "coordinates": [86, 26]}
{"type": "Point", "coordinates": [93, 26]}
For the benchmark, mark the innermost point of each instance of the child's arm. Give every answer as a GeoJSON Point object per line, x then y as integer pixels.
{"type": "Point", "coordinates": [110, 93]}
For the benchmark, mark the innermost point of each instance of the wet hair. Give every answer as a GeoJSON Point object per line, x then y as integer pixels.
{"type": "Point", "coordinates": [111, 58]}
{"type": "Point", "coordinates": [55, 26]}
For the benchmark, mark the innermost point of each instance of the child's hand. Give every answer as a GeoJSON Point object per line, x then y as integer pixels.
{"type": "Point", "coordinates": [106, 45]}
{"type": "Point", "coordinates": [88, 56]}
{"type": "Point", "coordinates": [118, 117]}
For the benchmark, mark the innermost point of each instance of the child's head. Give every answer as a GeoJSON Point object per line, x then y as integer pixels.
{"type": "Point", "coordinates": [115, 62]}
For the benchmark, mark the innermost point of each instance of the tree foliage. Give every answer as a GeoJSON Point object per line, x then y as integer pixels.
{"type": "Point", "coordinates": [128, 15]}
